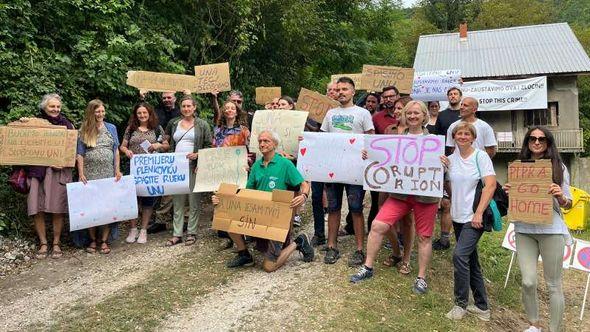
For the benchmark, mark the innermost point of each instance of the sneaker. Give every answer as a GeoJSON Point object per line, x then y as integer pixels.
{"type": "Point", "coordinates": [297, 221]}
{"type": "Point", "coordinates": [241, 260]}
{"type": "Point", "coordinates": [362, 274]}
{"type": "Point", "coordinates": [318, 240]}
{"type": "Point", "coordinates": [438, 244]}
{"type": "Point", "coordinates": [304, 247]}
{"type": "Point", "coordinates": [142, 238]}
{"type": "Point", "coordinates": [332, 255]}
{"type": "Point", "coordinates": [533, 329]}
{"type": "Point", "coordinates": [456, 313]}
{"type": "Point", "coordinates": [420, 286]}
{"type": "Point", "coordinates": [481, 314]}
{"type": "Point", "coordinates": [357, 258]}
{"type": "Point", "coordinates": [132, 235]}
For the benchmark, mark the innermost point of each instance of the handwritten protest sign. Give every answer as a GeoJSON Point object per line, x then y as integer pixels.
{"type": "Point", "coordinates": [375, 78]}
{"type": "Point", "coordinates": [161, 174]}
{"type": "Point", "coordinates": [507, 95]}
{"type": "Point", "coordinates": [315, 103]}
{"type": "Point", "coordinates": [509, 241]}
{"type": "Point", "coordinates": [212, 77]}
{"type": "Point", "coordinates": [529, 201]}
{"type": "Point", "coordinates": [255, 213]}
{"type": "Point", "coordinates": [357, 78]}
{"type": "Point", "coordinates": [287, 124]}
{"type": "Point", "coordinates": [101, 202]}
{"type": "Point", "coordinates": [404, 164]}
{"type": "Point", "coordinates": [37, 143]}
{"type": "Point", "coordinates": [265, 95]}
{"type": "Point", "coordinates": [581, 259]}
{"type": "Point", "coordinates": [433, 85]}
{"type": "Point", "coordinates": [161, 82]}
{"type": "Point", "coordinates": [331, 157]}
{"type": "Point", "coordinates": [221, 165]}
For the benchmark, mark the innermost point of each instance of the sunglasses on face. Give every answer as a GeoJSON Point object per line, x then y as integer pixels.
{"type": "Point", "coordinates": [533, 139]}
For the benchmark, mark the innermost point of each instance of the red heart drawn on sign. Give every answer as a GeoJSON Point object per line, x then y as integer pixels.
{"type": "Point", "coordinates": [303, 150]}
{"type": "Point", "coordinates": [352, 140]}
{"type": "Point", "coordinates": [331, 175]}
{"type": "Point", "coordinates": [81, 214]}
{"type": "Point", "coordinates": [115, 218]}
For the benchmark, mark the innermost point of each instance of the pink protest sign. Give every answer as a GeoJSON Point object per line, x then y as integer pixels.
{"type": "Point", "coordinates": [404, 164]}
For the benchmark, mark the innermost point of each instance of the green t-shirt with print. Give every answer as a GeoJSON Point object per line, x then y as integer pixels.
{"type": "Point", "coordinates": [278, 174]}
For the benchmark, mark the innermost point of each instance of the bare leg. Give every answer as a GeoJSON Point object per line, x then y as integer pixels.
{"type": "Point", "coordinates": [408, 234]}
{"type": "Point", "coordinates": [374, 240]}
{"type": "Point", "coordinates": [358, 221]}
{"type": "Point", "coordinates": [39, 220]}
{"type": "Point", "coordinates": [424, 254]}
{"type": "Point", "coordinates": [392, 237]}
{"type": "Point", "coordinates": [238, 240]}
{"type": "Point", "coordinates": [270, 266]}
{"type": "Point", "coordinates": [58, 223]}
{"type": "Point", "coordinates": [333, 226]}
{"type": "Point", "coordinates": [146, 215]}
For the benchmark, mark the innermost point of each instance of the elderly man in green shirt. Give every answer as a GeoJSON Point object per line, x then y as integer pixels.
{"type": "Point", "coordinates": [273, 171]}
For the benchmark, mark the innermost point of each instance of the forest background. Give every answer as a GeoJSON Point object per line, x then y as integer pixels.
{"type": "Point", "coordinates": [82, 49]}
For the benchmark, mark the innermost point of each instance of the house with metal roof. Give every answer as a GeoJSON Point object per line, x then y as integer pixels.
{"type": "Point", "coordinates": [550, 50]}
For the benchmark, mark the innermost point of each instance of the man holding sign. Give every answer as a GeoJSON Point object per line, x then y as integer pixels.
{"type": "Point", "coordinates": [273, 171]}
{"type": "Point", "coordinates": [348, 118]}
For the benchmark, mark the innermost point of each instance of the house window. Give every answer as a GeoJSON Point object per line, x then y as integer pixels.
{"type": "Point", "coordinates": [545, 117]}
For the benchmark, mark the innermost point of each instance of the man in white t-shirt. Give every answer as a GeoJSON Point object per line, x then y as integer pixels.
{"type": "Point", "coordinates": [348, 118]}
{"type": "Point", "coordinates": [486, 140]}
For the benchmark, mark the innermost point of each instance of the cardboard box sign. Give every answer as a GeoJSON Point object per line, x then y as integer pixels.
{"type": "Point", "coordinates": [529, 201]}
{"type": "Point", "coordinates": [267, 94]}
{"type": "Point", "coordinates": [255, 213]}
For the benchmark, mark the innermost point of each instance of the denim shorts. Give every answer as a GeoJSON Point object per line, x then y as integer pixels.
{"type": "Point", "coordinates": [354, 193]}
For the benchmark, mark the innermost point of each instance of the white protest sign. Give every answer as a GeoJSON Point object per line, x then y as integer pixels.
{"type": "Point", "coordinates": [101, 202]}
{"type": "Point", "coordinates": [221, 165]}
{"type": "Point", "coordinates": [582, 256]}
{"type": "Point", "coordinates": [161, 174]}
{"type": "Point", "coordinates": [404, 164]}
{"type": "Point", "coordinates": [509, 241]}
{"type": "Point", "coordinates": [507, 95]}
{"type": "Point", "coordinates": [331, 157]}
{"type": "Point", "coordinates": [288, 124]}
{"type": "Point", "coordinates": [433, 85]}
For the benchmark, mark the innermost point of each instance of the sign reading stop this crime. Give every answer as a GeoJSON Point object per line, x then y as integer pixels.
{"type": "Point", "coordinates": [529, 200]}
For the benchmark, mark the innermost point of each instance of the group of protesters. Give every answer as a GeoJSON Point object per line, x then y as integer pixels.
{"type": "Point", "coordinates": [398, 218]}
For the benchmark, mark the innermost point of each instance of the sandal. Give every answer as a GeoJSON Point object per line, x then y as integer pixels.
{"type": "Point", "coordinates": [91, 249]}
{"type": "Point", "coordinates": [56, 254]}
{"type": "Point", "coordinates": [173, 241]}
{"type": "Point", "coordinates": [190, 240]}
{"type": "Point", "coordinates": [392, 260]}
{"type": "Point", "coordinates": [42, 254]}
{"type": "Point", "coordinates": [104, 248]}
{"type": "Point", "coordinates": [404, 268]}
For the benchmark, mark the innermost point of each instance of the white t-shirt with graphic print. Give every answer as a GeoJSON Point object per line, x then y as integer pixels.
{"type": "Point", "coordinates": [354, 119]}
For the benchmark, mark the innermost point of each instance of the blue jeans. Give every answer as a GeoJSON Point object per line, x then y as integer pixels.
{"type": "Point", "coordinates": [354, 193]}
{"type": "Point", "coordinates": [317, 203]}
{"type": "Point", "coordinates": [467, 269]}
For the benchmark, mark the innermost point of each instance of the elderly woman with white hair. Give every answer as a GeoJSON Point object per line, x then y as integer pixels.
{"type": "Point", "coordinates": [47, 192]}
{"type": "Point", "coordinates": [273, 171]}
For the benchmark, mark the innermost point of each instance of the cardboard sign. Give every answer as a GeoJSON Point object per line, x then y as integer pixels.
{"type": "Point", "coordinates": [581, 259]}
{"type": "Point", "coordinates": [529, 201]}
{"type": "Point", "coordinates": [212, 77]}
{"type": "Point", "coordinates": [265, 95]}
{"type": "Point", "coordinates": [404, 164]}
{"type": "Point", "coordinates": [101, 202]}
{"type": "Point", "coordinates": [331, 157]}
{"type": "Point", "coordinates": [507, 95]}
{"type": "Point", "coordinates": [433, 85]}
{"type": "Point", "coordinates": [509, 241]}
{"type": "Point", "coordinates": [357, 78]}
{"type": "Point", "coordinates": [221, 165]}
{"type": "Point", "coordinates": [315, 103]}
{"type": "Point", "coordinates": [37, 143]}
{"type": "Point", "coordinates": [161, 82]}
{"type": "Point", "coordinates": [286, 123]}
{"type": "Point", "coordinates": [375, 78]}
{"type": "Point", "coordinates": [252, 212]}
{"type": "Point", "coordinates": [161, 174]}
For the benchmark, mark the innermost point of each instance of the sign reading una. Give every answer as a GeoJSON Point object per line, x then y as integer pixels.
{"type": "Point", "coordinates": [404, 164]}
{"type": "Point", "coordinates": [375, 78]}
{"type": "Point", "coordinates": [265, 94]}
{"type": "Point", "coordinates": [214, 77]}
{"type": "Point", "coordinates": [161, 174]}
{"type": "Point", "coordinates": [161, 82]}
{"type": "Point", "coordinates": [286, 123]}
{"type": "Point", "coordinates": [529, 200]}
{"type": "Point", "coordinates": [221, 165]}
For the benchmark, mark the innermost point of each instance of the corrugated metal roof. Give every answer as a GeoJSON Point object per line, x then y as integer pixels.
{"type": "Point", "coordinates": [517, 51]}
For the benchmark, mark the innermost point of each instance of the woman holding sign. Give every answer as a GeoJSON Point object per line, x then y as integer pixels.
{"type": "Point", "coordinates": [467, 166]}
{"type": "Point", "coordinates": [549, 240]}
{"type": "Point", "coordinates": [98, 158]}
{"type": "Point", "coordinates": [47, 193]}
{"type": "Point", "coordinates": [143, 135]}
{"type": "Point", "coordinates": [188, 134]}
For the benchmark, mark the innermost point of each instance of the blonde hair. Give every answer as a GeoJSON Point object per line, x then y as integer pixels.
{"type": "Point", "coordinates": [423, 108]}
{"type": "Point", "coordinates": [88, 130]}
{"type": "Point", "coordinates": [464, 125]}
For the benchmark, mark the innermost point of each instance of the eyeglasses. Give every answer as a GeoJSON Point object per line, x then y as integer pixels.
{"type": "Point", "coordinates": [542, 139]}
